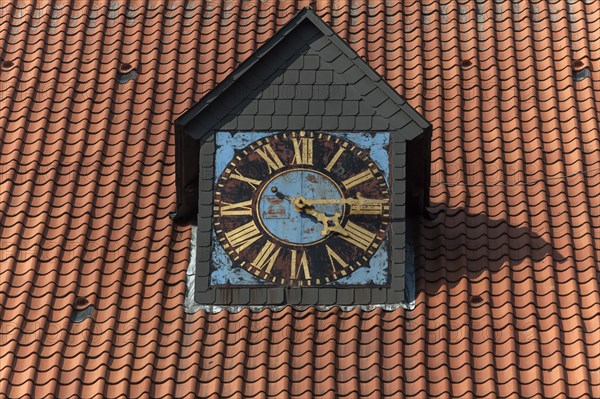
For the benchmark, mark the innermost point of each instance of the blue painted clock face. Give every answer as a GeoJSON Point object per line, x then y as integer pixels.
{"type": "Point", "coordinates": [301, 208]}
{"type": "Point", "coordinates": [276, 213]}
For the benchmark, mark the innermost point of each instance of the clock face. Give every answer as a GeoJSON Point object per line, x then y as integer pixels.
{"type": "Point", "coordinates": [301, 208]}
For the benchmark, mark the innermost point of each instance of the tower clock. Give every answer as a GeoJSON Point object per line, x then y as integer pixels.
{"type": "Point", "coordinates": [301, 208]}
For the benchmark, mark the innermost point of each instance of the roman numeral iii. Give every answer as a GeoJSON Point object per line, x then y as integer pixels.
{"type": "Point", "coordinates": [366, 209]}
{"type": "Point", "coordinates": [358, 236]}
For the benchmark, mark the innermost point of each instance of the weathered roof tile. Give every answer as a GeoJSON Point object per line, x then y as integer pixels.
{"type": "Point", "coordinates": [507, 296]}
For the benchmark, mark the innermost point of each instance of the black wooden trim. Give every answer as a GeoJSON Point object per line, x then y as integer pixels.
{"type": "Point", "coordinates": [418, 173]}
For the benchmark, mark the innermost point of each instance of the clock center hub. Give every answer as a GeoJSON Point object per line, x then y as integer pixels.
{"type": "Point", "coordinates": [277, 214]}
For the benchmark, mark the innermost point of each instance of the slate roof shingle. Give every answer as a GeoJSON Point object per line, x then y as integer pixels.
{"type": "Point", "coordinates": [88, 181]}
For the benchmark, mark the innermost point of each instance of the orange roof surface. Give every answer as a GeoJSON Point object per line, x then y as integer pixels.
{"type": "Point", "coordinates": [507, 301]}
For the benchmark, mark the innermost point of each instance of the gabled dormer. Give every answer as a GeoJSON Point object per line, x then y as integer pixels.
{"type": "Point", "coordinates": [300, 170]}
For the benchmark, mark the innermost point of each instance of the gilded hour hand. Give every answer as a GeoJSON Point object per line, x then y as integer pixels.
{"type": "Point", "coordinates": [330, 223]}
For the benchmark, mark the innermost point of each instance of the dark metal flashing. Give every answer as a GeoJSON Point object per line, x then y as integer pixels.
{"type": "Point", "coordinates": [80, 315]}
{"type": "Point", "coordinates": [580, 74]}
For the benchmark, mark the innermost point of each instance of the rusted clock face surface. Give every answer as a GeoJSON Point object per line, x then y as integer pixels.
{"type": "Point", "coordinates": [301, 208]}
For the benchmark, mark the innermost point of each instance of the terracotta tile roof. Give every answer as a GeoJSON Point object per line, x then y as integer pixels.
{"type": "Point", "coordinates": [507, 301]}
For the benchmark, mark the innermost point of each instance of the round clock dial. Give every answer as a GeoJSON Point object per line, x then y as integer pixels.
{"type": "Point", "coordinates": [301, 208]}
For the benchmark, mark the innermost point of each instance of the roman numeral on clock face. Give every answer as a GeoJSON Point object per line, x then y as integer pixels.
{"type": "Point", "coordinates": [335, 258]}
{"type": "Point", "coordinates": [238, 176]}
{"type": "Point", "coordinates": [335, 158]}
{"type": "Point", "coordinates": [268, 154]}
{"type": "Point", "coordinates": [243, 236]}
{"type": "Point", "coordinates": [299, 265]}
{"type": "Point", "coordinates": [357, 179]}
{"type": "Point", "coordinates": [358, 236]}
{"type": "Point", "coordinates": [366, 209]}
{"type": "Point", "coordinates": [303, 150]}
{"type": "Point", "coordinates": [243, 208]}
{"type": "Point", "coordinates": [266, 257]}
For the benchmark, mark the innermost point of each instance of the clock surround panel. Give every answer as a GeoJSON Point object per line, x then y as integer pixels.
{"type": "Point", "coordinates": [265, 233]}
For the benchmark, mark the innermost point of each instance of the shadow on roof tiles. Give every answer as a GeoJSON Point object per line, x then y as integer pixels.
{"type": "Point", "coordinates": [468, 244]}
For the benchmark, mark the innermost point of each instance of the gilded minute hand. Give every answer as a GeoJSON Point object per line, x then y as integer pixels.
{"type": "Point", "coordinates": [359, 200]}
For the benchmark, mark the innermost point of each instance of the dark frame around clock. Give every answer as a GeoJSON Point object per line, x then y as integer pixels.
{"type": "Point", "coordinates": [393, 292]}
